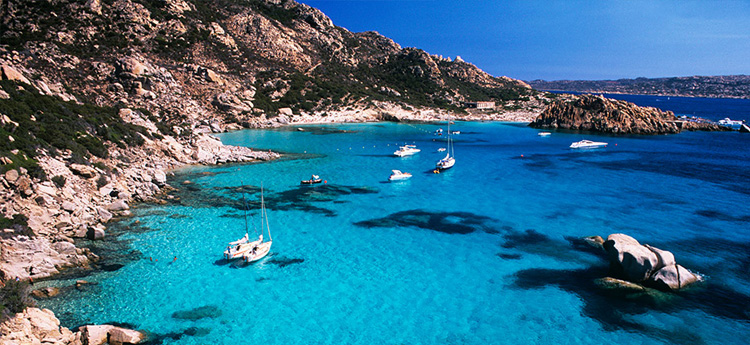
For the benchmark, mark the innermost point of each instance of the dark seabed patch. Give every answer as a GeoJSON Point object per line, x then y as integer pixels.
{"type": "Point", "coordinates": [301, 198]}
{"type": "Point", "coordinates": [536, 243]}
{"type": "Point", "coordinates": [723, 170]}
{"type": "Point", "coordinates": [315, 130]}
{"type": "Point", "coordinates": [508, 256]}
{"type": "Point", "coordinates": [446, 222]}
{"type": "Point", "coordinates": [283, 261]}
{"type": "Point", "coordinates": [608, 308]}
{"type": "Point", "coordinates": [158, 339]}
{"type": "Point", "coordinates": [614, 309]}
{"type": "Point", "coordinates": [719, 215]}
{"type": "Point", "coordinates": [208, 311]}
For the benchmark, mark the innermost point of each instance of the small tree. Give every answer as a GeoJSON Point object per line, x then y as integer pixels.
{"type": "Point", "coordinates": [14, 297]}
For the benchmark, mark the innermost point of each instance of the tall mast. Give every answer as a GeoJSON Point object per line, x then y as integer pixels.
{"type": "Point", "coordinates": [244, 204]}
{"type": "Point", "coordinates": [264, 213]}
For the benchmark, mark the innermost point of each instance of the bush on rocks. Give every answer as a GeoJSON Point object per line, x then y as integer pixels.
{"type": "Point", "coordinates": [14, 297]}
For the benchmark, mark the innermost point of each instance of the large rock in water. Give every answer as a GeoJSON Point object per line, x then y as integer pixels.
{"type": "Point", "coordinates": [673, 277]}
{"type": "Point", "coordinates": [630, 259]}
{"type": "Point", "coordinates": [646, 264]}
{"type": "Point", "coordinates": [599, 114]}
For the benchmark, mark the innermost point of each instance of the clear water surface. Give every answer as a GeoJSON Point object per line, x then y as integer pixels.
{"type": "Point", "coordinates": [479, 254]}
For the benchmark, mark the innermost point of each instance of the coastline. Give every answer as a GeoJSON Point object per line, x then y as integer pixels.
{"type": "Point", "coordinates": [83, 206]}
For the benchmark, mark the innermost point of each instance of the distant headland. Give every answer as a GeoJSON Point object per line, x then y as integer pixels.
{"type": "Point", "coordinates": [728, 86]}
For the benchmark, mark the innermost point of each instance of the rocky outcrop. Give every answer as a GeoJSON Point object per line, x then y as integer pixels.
{"type": "Point", "coordinates": [101, 334]}
{"type": "Point", "coordinates": [23, 257]}
{"type": "Point", "coordinates": [36, 326]}
{"type": "Point", "coordinates": [647, 265]}
{"type": "Point", "coordinates": [7, 72]}
{"type": "Point", "coordinates": [604, 115]}
{"type": "Point", "coordinates": [599, 114]}
{"type": "Point", "coordinates": [40, 326]}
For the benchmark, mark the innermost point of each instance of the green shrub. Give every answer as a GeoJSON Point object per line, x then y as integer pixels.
{"type": "Point", "coordinates": [101, 181]}
{"type": "Point", "coordinates": [14, 296]}
{"type": "Point", "coordinates": [49, 123]}
{"type": "Point", "coordinates": [59, 181]}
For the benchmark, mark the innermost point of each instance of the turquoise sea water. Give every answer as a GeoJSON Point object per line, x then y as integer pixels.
{"type": "Point", "coordinates": [479, 254]}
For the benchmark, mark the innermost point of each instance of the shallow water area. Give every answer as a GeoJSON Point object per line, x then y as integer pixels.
{"type": "Point", "coordinates": [478, 254]}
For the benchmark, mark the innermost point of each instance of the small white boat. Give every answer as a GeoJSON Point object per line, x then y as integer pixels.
{"type": "Point", "coordinates": [442, 149]}
{"type": "Point", "coordinates": [260, 249]}
{"type": "Point", "coordinates": [729, 122]}
{"type": "Point", "coordinates": [407, 150]}
{"type": "Point", "coordinates": [456, 132]}
{"type": "Point", "coordinates": [397, 175]}
{"type": "Point", "coordinates": [544, 134]}
{"type": "Point", "coordinates": [313, 180]}
{"type": "Point", "coordinates": [587, 144]}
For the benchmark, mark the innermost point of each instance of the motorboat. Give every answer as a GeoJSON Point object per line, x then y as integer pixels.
{"type": "Point", "coordinates": [729, 122]}
{"type": "Point", "coordinates": [407, 150]}
{"type": "Point", "coordinates": [544, 134]}
{"type": "Point", "coordinates": [397, 175]}
{"type": "Point", "coordinates": [442, 149]}
{"type": "Point", "coordinates": [313, 180]}
{"type": "Point", "coordinates": [587, 144]}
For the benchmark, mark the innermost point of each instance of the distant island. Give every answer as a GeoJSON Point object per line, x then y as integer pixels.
{"type": "Point", "coordinates": [729, 86]}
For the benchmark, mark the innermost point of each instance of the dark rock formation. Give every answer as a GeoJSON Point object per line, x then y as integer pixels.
{"type": "Point", "coordinates": [599, 114]}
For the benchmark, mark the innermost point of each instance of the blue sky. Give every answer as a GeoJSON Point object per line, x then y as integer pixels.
{"type": "Point", "coordinates": [555, 40]}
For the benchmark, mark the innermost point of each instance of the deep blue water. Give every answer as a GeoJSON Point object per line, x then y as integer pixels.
{"type": "Point", "coordinates": [479, 254]}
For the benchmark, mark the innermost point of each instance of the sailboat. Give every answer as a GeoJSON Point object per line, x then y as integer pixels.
{"type": "Point", "coordinates": [260, 249]}
{"type": "Point", "coordinates": [236, 249]}
{"type": "Point", "coordinates": [448, 161]}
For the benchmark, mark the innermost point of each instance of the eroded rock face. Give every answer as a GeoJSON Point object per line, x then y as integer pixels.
{"type": "Point", "coordinates": [629, 258]}
{"type": "Point", "coordinates": [35, 326]}
{"type": "Point", "coordinates": [7, 72]}
{"type": "Point", "coordinates": [645, 264]}
{"type": "Point", "coordinates": [673, 277]}
{"type": "Point", "coordinates": [25, 257]}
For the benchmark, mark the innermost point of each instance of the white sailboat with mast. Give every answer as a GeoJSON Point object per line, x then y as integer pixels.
{"type": "Point", "coordinates": [236, 249]}
{"type": "Point", "coordinates": [449, 160]}
{"type": "Point", "coordinates": [260, 249]}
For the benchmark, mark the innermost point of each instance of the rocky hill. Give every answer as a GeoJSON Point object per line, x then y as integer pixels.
{"type": "Point", "coordinates": [730, 86]}
{"type": "Point", "coordinates": [599, 114]}
{"type": "Point", "coordinates": [228, 61]}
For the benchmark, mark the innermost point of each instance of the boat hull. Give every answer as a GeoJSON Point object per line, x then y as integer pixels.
{"type": "Point", "coordinates": [445, 164]}
{"type": "Point", "coordinates": [587, 144]}
{"type": "Point", "coordinates": [311, 181]}
{"type": "Point", "coordinates": [240, 250]}
{"type": "Point", "coordinates": [260, 252]}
